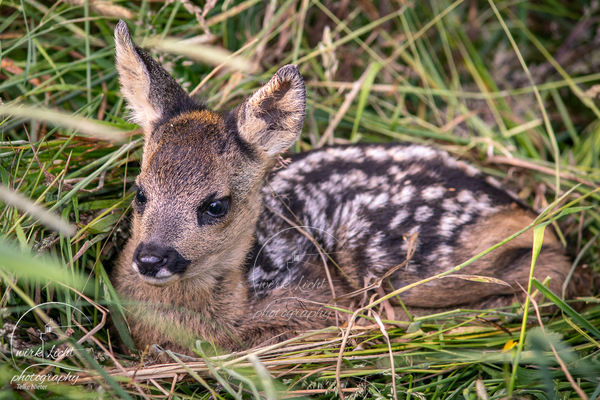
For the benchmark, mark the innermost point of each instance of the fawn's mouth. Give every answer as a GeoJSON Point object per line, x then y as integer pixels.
{"type": "Point", "coordinates": [162, 278]}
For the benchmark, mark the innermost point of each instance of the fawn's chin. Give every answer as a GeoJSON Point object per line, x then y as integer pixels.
{"type": "Point", "coordinates": [160, 281]}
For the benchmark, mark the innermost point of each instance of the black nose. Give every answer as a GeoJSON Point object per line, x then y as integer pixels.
{"type": "Point", "coordinates": [150, 258]}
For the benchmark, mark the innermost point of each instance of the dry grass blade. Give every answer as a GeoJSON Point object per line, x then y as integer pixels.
{"type": "Point", "coordinates": [265, 378]}
{"type": "Point", "coordinates": [104, 8]}
{"type": "Point", "coordinates": [387, 341]}
{"type": "Point", "coordinates": [478, 278]}
{"type": "Point", "coordinates": [85, 126]}
{"type": "Point", "coordinates": [480, 390]}
{"type": "Point", "coordinates": [44, 216]}
{"type": "Point", "coordinates": [540, 168]}
{"type": "Point", "coordinates": [356, 86]}
{"type": "Point", "coordinates": [192, 374]}
{"type": "Point", "coordinates": [220, 66]}
{"type": "Point", "coordinates": [210, 55]}
{"type": "Point", "coordinates": [231, 12]}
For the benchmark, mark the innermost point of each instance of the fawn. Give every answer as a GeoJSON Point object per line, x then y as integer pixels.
{"type": "Point", "coordinates": [226, 248]}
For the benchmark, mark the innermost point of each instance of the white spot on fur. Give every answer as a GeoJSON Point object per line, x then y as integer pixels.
{"type": "Point", "coordinates": [398, 219]}
{"type": "Point", "coordinates": [354, 154]}
{"type": "Point", "coordinates": [379, 201]}
{"type": "Point", "coordinates": [465, 196]}
{"type": "Point", "coordinates": [450, 205]}
{"type": "Point", "coordinates": [484, 205]}
{"type": "Point", "coordinates": [356, 228]}
{"type": "Point", "coordinates": [397, 173]}
{"type": "Point", "coordinates": [414, 169]}
{"type": "Point", "coordinates": [414, 152]}
{"type": "Point", "coordinates": [376, 252]}
{"type": "Point", "coordinates": [413, 230]}
{"type": "Point", "coordinates": [447, 225]}
{"type": "Point", "coordinates": [406, 195]}
{"type": "Point", "coordinates": [433, 193]}
{"type": "Point", "coordinates": [377, 153]}
{"type": "Point", "coordinates": [457, 214]}
{"type": "Point", "coordinates": [445, 250]}
{"type": "Point", "coordinates": [423, 213]}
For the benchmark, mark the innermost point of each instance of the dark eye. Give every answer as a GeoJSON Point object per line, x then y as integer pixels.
{"type": "Point", "coordinates": [212, 211]}
{"type": "Point", "coordinates": [216, 209]}
{"type": "Point", "coordinates": [140, 197]}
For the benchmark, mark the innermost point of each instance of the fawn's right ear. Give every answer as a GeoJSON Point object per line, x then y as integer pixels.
{"type": "Point", "coordinates": [272, 118]}
{"type": "Point", "coordinates": [152, 94]}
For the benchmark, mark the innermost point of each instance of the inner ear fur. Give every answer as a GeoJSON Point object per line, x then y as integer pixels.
{"type": "Point", "coordinates": [152, 94]}
{"type": "Point", "coordinates": [272, 118]}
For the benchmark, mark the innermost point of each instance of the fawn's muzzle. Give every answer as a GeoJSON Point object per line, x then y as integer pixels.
{"type": "Point", "coordinates": [158, 264]}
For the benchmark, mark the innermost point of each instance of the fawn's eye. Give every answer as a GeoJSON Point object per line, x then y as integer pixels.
{"type": "Point", "coordinates": [212, 210]}
{"type": "Point", "coordinates": [216, 209]}
{"type": "Point", "coordinates": [140, 197]}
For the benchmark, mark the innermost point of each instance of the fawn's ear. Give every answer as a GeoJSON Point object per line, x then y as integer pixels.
{"type": "Point", "coordinates": [272, 118]}
{"type": "Point", "coordinates": [152, 94]}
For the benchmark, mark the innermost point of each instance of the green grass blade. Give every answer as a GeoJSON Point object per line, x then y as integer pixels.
{"type": "Point", "coordinates": [566, 308]}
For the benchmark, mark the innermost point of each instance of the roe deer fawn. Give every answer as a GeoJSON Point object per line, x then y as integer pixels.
{"type": "Point", "coordinates": [224, 248]}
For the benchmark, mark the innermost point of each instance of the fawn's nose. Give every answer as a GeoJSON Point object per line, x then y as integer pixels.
{"type": "Point", "coordinates": [157, 262]}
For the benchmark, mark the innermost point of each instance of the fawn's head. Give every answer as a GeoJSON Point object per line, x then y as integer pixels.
{"type": "Point", "coordinates": [199, 188]}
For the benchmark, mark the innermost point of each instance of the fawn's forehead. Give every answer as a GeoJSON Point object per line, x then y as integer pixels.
{"type": "Point", "coordinates": [189, 129]}
{"type": "Point", "coordinates": [196, 149]}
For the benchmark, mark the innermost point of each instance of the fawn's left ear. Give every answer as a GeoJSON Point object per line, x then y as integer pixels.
{"type": "Point", "coordinates": [272, 118]}
{"type": "Point", "coordinates": [151, 93]}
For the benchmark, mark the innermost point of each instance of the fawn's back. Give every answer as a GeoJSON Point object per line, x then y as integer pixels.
{"type": "Point", "coordinates": [226, 249]}
{"type": "Point", "coordinates": [363, 203]}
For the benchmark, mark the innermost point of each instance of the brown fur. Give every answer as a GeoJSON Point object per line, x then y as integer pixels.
{"type": "Point", "coordinates": [551, 263]}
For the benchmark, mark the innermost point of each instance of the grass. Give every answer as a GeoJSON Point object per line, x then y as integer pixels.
{"type": "Point", "coordinates": [510, 86]}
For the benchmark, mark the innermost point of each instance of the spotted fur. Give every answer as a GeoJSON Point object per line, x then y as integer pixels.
{"type": "Point", "coordinates": [255, 274]}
